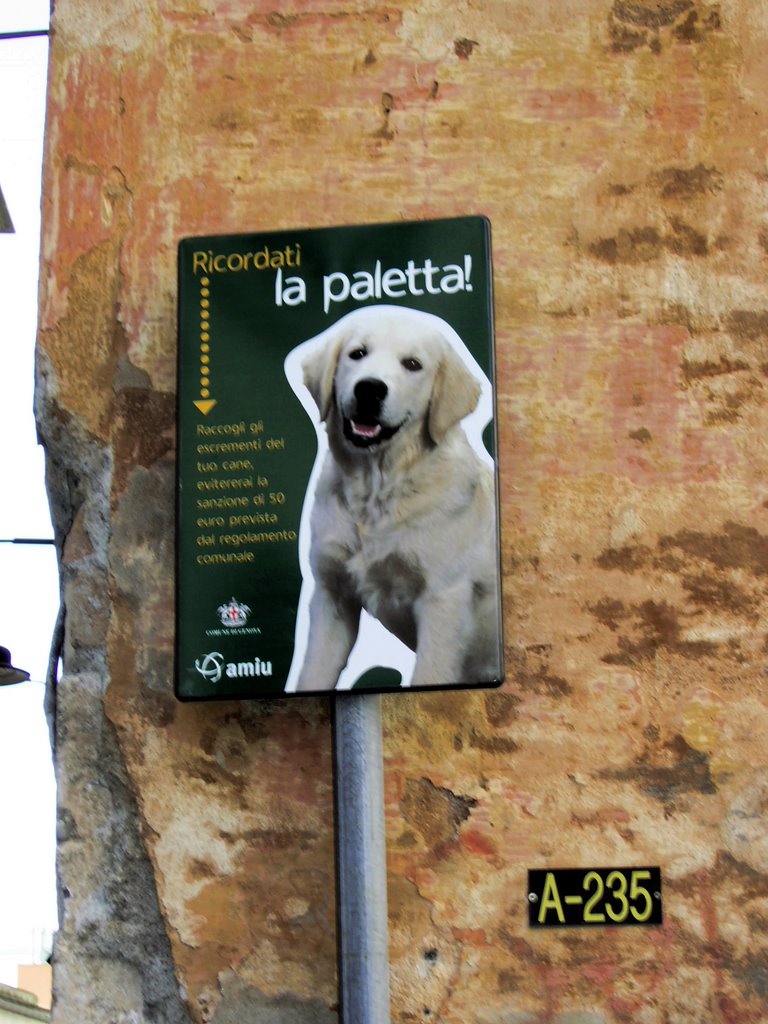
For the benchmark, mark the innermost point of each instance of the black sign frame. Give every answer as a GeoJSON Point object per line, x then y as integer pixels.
{"type": "Point", "coordinates": [594, 897]}
{"type": "Point", "coordinates": [246, 447]}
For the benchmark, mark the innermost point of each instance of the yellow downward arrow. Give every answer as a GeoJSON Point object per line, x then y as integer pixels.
{"type": "Point", "coordinates": [205, 405]}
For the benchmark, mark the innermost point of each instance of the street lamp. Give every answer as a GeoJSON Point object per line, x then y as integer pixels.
{"type": "Point", "coordinates": [8, 671]}
{"type": "Point", "coordinates": [6, 224]}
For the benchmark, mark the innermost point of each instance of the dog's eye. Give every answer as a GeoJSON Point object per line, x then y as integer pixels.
{"type": "Point", "coordinates": [357, 353]}
{"type": "Point", "coordinates": [411, 364]}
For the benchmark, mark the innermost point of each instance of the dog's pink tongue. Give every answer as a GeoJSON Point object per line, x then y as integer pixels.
{"type": "Point", "coordinates": [363, 430]}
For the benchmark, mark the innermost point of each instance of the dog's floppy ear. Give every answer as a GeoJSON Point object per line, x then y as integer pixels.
{"type": "Point", "coordinates": [319, 370]}
{"type": "Point", "coordinates": [455, 394]}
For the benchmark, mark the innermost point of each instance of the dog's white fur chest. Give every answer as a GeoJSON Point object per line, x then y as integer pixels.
{"type": "Point", "coordinates": [382, 526]}
{"type": "Point", "coordinates": [400, 546]}
{"type": "Point", "coordinates": [385, 568]}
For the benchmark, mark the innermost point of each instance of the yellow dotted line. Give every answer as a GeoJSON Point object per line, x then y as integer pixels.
{"type": "Point", "coordinates": [205, 337]}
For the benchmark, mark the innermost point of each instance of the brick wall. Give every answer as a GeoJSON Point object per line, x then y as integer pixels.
{"type": "Point", "coordinates": [619, 150]}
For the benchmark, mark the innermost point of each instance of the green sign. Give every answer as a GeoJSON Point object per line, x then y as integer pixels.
{"type": "Point", "coordinates": [337, 512]}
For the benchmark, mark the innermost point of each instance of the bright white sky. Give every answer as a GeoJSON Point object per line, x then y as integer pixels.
{"type": "Point", "coordinates": [28, 575]}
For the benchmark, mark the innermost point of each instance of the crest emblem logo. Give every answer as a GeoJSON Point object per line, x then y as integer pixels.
{"type": "Point", "coordinates": [233, 614]}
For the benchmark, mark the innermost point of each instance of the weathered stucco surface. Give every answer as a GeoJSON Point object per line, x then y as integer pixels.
{"type": "Point", "coordinates": [619, 148]}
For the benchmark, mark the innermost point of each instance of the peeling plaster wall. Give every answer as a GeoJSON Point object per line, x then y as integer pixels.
{"type": "Point", "coordinates": [619, 148]}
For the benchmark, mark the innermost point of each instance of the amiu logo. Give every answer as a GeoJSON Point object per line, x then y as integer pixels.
{"type": "Point", "coordinates": [212, 666]}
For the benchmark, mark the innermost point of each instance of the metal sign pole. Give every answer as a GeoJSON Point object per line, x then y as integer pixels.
{"type": "Point", "coordinates": [361, 860]}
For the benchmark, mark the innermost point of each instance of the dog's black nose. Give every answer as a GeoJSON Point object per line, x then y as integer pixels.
{"type": "Point", "coordinates": [370, 393]}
